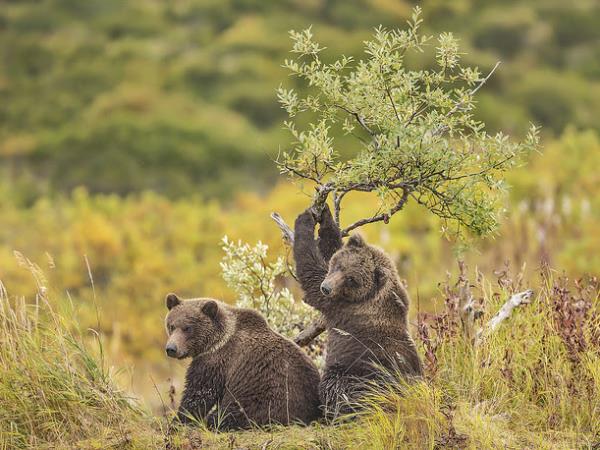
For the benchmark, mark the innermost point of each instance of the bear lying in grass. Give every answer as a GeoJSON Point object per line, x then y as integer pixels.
{"type": "Point", "coordinates": [356, 288]}
{"type": "Point", "coordinates": [242, 372]}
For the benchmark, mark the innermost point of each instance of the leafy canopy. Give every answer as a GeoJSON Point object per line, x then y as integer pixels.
{"type": "Point", "coordinates": [416, 136]}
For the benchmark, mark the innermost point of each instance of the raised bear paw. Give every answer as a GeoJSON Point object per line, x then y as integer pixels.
{"type": "Point", "coordinates": [306, 219]}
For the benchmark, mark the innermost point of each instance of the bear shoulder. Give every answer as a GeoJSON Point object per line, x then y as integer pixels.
{"type": "Point", "coordinates": [249, 320]}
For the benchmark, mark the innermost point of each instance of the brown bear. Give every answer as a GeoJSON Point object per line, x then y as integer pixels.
{"type": "Point", "coordinates": [356, 288]}
{"type": "Point", "coordinates": [242, 372]}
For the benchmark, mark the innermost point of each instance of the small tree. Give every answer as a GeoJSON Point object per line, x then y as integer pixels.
{"type": "Point", "coordinates": [416, 138]}
{"type": "Point", "coordinates": [415, 131]}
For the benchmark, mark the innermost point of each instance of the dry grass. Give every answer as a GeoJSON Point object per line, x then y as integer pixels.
{"type": "Point", "coordinates": [55, 390]}
{"type": "Point", "coordinates": [534, 383]}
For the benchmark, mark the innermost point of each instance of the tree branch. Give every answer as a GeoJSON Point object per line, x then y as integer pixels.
{"type": "Point", "coordinates": [337, 205]}
{"type": "Point", "coordinates": [311, 332]}
{"type": "Point", "coordinates": [359, 119]}
{"type": "Point", "coordinates": [379, 217]}
{"type": "Point", "coordinates": [481, 172]}
{"type": "Point", "coordinates": [389, 94]}
{"type": "Point", "coordinates": [286, 231]}
{"type": "Point", "coordinates": [466, 304]}
{"type": "Point", "coordinates": [297, 173]}
{"type": "Point", "coordinates": [474, 90]}
{"type": "Point", "coordinates": [458, 105]}
{"type": "Point", "coordinates": [321, 197]}
{"type": "Point", "coordinates": [522, 298]}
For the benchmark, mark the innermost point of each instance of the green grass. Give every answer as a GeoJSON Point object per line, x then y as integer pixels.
{"type": "Point", "coordinates": [55, 391]}
{"type": "Point", "coordinates": [534, 383]}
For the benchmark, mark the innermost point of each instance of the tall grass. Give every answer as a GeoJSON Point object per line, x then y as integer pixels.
{"type": "Point", "coordinates": [55, 390]}
{"type": "Point", "coordinates": [532, 383]}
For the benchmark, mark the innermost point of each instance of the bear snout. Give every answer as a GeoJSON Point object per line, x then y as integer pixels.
{"type": "Point", "coordinates": [171, 350]}
{"type": "Point", "coordinates": [326, 288]}
{"type": "Point", "coordinates": [332, 284]}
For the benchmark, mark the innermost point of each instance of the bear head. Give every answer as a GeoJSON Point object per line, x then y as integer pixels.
{"type": "Point", "coordinates": [357, 271]}
{"type": "Point", "coordinates": [196, 327]}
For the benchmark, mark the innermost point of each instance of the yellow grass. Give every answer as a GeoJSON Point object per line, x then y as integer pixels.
{"type": "Point", "coordinates": [522, 387]}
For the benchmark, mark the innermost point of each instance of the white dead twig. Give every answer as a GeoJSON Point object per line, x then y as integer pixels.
{"type": "Point", "coordinates": [286, 231]}
{"type": "Point", "coordinates": [522, 298]}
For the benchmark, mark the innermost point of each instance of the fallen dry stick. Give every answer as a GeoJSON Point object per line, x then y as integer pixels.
{"type": "Point", "coordinates": [313, 330]}
{"type": "Point", "coordinates": [522, 298]}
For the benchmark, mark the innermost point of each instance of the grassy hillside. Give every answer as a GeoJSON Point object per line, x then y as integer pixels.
{"type": "Point", "coordinates": [179, 97]}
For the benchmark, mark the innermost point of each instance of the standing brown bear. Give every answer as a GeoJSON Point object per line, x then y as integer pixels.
{"type": "Point", "coordinates": [356, 288]}
{"type": "Point", "coordinates": [242, 372]}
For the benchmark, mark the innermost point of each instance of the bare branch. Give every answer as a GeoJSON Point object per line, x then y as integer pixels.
{"type": "Point", "coordinates": [286, 231]}
{"type": "Point", "coordinates": [474, 90]}
{"type": "Point", "coordinates": [321, 197]}
{"type": "Point", "coordinates": [522, 298]}
{"type": "Point", "coordinates": [466, 304]}
{"type": "Point", "coordinates": [337, 205]}
{"type": "Point", "coordinates": [379, 217]}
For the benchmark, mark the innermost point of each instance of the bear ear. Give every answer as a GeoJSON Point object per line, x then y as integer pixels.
{"type": "Point", "coordinates": [381, 274]}
{"type": "Point", "coordinates": [355, 240]}
{"type": "Point", "coordinates": [172, 301]}
{"type": "Point", "coordinates": [210, 308]}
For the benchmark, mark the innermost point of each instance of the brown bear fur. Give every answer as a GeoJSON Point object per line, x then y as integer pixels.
{"type": "Point", "coordinates": [250, 374]}
{"type": "Point", "coordinates": [356, 288]}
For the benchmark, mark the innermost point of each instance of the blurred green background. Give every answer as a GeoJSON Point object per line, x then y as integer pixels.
{"type": "Point", "coordinates": [135, 134]}
{"type": "Point", "coordinates": [178, 96]}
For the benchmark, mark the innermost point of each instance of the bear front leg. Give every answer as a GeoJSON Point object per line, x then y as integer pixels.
{"type": "Point", "coordinates": [228, 416]}
{"type": "Point", "coordinates": [196, 404]}
{"type": "Point", "coordinates": [203, 390]}
{"type": "Point", "coordinates": [339, 394]}
{"type": "Point", "coordinates": [310, 267]}
{"type": "Point", "coordinates": [330, 236]}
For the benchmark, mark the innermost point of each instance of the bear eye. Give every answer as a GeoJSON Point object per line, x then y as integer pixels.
{"type": "Point", "coordinates": [171, 328]}
{"type": "Point", "coordinates": [352, 282]}
{"type": "Point", "coordinates": [187, 329]}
